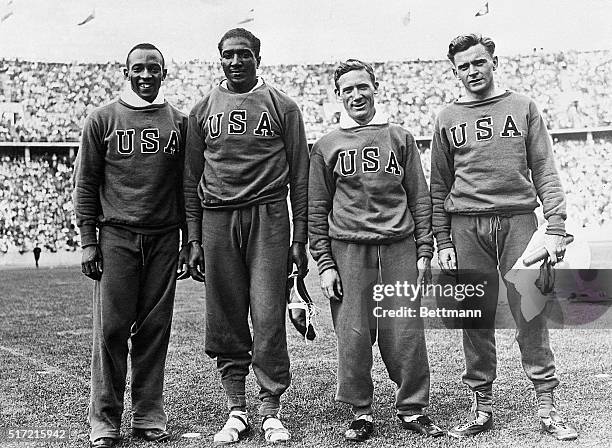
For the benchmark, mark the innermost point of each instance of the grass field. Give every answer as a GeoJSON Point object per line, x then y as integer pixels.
{"type": "Point", "coordinates": [45, 337]}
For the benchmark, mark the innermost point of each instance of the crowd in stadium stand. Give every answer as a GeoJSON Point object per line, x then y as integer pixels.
{"type": "Point", "coordinates": [586, 175]}
{"type": "Point", "coordinates": [36, 206]}
{"type": "Point", "coordinates": [570, 89]}
{"type": "Point", "coordinates": [52, 100]}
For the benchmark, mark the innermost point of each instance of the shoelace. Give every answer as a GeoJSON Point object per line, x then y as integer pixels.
{"type": "Point", "coordinates": [558, 423]}
{"type": "Point", "coordinates": [469, 424]}
{"type": "Point", "coordinates": [296, 301]}
{"type": "Point", "coordinates": [474, 422]}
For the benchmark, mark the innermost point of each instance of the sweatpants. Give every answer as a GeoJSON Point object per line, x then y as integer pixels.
{"type": "Point", "coordinates": [401, 340]}
{"type": "Point", "coordinates": [486, 245]}
{"type": "Point", "coordinates": [246, 252]}
{"type": "Point", "coordinates": [133, 300]}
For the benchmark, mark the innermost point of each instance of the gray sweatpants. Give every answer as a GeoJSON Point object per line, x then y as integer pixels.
{"type": "Point", "coordinates": [133, 300]}
{"type": "Point", "coordinates": [401, 340]}
{"type": "Point", "coordinates": [484, 245]}
{"type": "Point", "coordinates": [245, 251]}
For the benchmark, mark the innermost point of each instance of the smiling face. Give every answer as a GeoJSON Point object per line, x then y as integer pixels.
{"type": "Point", "coordinates": [145, 72]}
{"type": "Point", "coordinates": [356, 90]}
{"type": "Point", "coordinates": [475, 67]}
{"type": "Point", "coordinates": [239, 64]}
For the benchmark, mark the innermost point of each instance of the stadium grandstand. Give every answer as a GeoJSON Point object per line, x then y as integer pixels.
{"type": "Point", "coordinates": [43, 106]}
{"type": "Point", "coordinates": [48, 102]}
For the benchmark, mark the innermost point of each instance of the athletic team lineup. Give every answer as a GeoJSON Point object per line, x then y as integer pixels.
{"type": "Point", "coordinates": [160, 196]}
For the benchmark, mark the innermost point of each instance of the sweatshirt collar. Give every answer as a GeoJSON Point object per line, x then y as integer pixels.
{"type": "Point", "coordinates": [130, 97]}
{"type": "Point", "coordinates": [260, 82]}
{"type": "Point", "coordinates": [347, 122]}
{"type": "Point", "coordinates": [485, 101]}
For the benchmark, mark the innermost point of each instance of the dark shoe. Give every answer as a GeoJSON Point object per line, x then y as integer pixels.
{"type": "Point", "coordinates": [422, 425]}
{"type": "Point", "coordinates": [557, 427]}
{"type": "Point", "coordinates": [151, 435]}
{"type": "Point", "coordinates": [359, 430]}
{"type": "Point", "coordinates": [473, 427]}
{"type": "Point", "coordinates": [104, 442]}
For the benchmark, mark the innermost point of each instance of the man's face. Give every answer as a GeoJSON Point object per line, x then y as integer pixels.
{"type": "Point", "coordinates": [239, 64]}
{"type": "Point", "coordinates": [145, 72]}
{"type": "Point", "coordinates": [474, 67]}
{"type": "Point", "coordinates": [356, 91]}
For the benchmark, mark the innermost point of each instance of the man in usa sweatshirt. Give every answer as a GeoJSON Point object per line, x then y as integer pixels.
{"type": "Point", "coordinates": [491, 160]}
{"type": "Point", "coordinates": [128, 184]}
{"type": "Point", "coordinates": [246, 144]}
{"type": "Point", "coordinates": [369, 220]}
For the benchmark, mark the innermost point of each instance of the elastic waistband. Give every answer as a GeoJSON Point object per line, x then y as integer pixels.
{"type": "Point", "coordinates": [271, 196]}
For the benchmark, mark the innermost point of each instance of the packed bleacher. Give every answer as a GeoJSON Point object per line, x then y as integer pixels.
{"type": "Point", "coordinates": [570, 89]}
{"type": "Point", "coordinates": [36, 207]}
{"type": "Point", "coordinates": [586, 175]}
{"type": "Point", "coordinates": [35, 197]}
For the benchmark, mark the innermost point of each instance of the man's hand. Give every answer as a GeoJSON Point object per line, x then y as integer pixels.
{"type": "Point", "coordinates": [555, 246]}
{"type": "Point", "coordinates": [331, 285]}
{"type": "Point", "coordinates": [196, 261]}
{"type": "Point", "coordinates": [297, 256]}
{"type": "Point", "coordinates": [91, 262]}
{"type": "Point", "coordinates": [448, 260]}
{"type": "Point", "coordinates": [182, 270]}
{"type": "Point", "coordinates": [424, 269]}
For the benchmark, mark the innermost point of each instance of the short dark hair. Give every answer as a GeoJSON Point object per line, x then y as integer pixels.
{"type": "Point", "coordinates": [246, 34]}
{"type": "Point", "coordinates": [353, 64]}
{"type": "Point", "coordinates": [143, 46]}
{"type": "Point", "coordinates": [465, 41]}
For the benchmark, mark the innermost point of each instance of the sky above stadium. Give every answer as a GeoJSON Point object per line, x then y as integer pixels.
{"type": "Point", "coordinates": [296, 31]}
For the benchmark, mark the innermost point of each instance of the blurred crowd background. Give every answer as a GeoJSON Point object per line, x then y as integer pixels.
{"type": "Point", "coordinates": [49, 102]}
{"type": "Point", "coordinates": [571, 89]}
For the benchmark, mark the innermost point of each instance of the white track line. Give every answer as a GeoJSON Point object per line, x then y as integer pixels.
{"type": "Point", "coordinates": [41, 365]}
